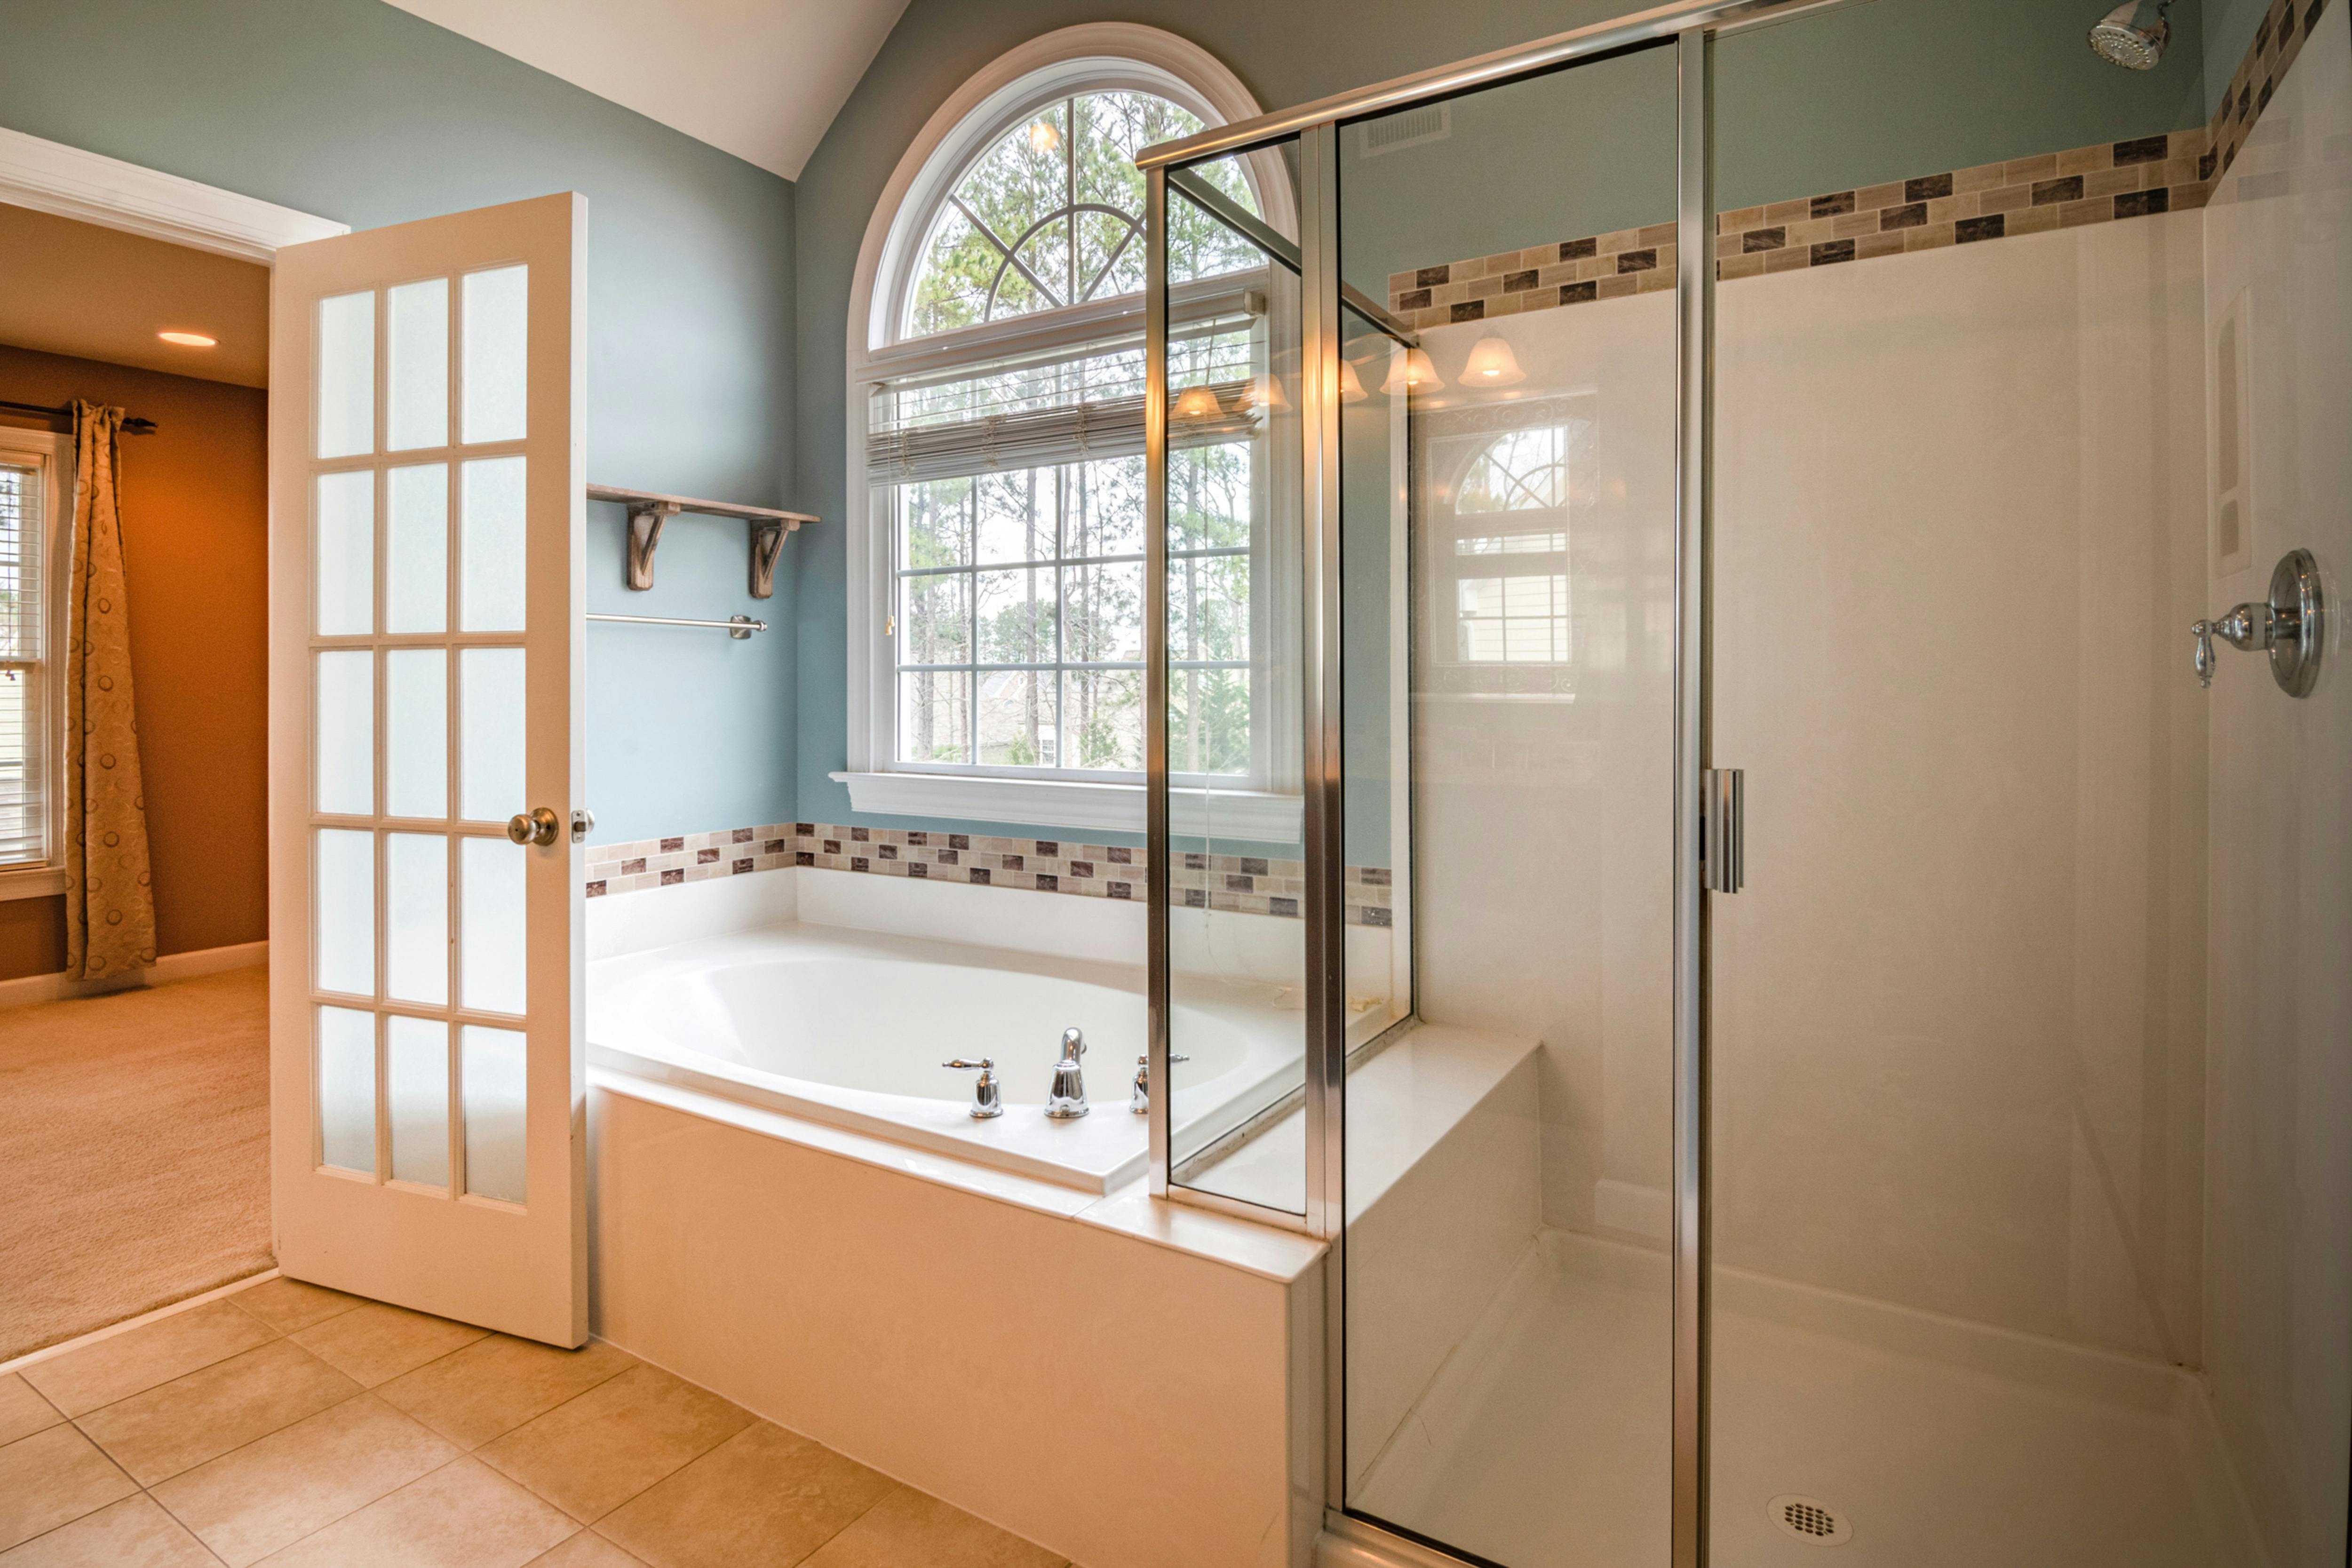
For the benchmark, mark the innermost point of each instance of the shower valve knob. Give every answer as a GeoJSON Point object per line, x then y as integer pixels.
{"type": "Point", "coordinates": [2290, 626]}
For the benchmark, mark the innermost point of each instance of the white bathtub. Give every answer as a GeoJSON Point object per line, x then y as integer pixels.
{"type": "Point", "coordinates": [851, 1027]}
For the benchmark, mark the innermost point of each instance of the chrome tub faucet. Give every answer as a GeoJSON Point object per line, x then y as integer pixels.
{"type": "Point", "coordinates": [1068, 1099]}
{"type": "Point", "coordinates": [1139, 1101]}
{"type": "Point", "coordinates": [987, 1100]}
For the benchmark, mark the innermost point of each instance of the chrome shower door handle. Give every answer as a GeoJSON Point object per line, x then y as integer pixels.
{"type": "Point", "coordinates": [1722, 852]}
{"type": "Point", "coordinates": [539, 827]}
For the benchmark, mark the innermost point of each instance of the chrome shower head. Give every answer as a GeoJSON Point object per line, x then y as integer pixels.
{"type": "Point", "coordinates": [2132, 35]}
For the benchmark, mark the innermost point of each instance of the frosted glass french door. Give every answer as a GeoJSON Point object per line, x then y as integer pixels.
{"type": "Point", "coordinates": [429, 1076]}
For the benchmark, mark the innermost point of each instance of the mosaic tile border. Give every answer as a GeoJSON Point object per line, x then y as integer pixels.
{"type": "Point", "coordinates": [2100, 184]}
{"type": "Point", "coordinates": [2277, 41]}
{"type": "Point", "coordinates": [1244, 884]}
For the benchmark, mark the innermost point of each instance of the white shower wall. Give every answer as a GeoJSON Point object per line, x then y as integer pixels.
{"type": "Point", "coordinates": [2278, 1340]}
{"type": "Point", "coordinates": [1958, 1010]}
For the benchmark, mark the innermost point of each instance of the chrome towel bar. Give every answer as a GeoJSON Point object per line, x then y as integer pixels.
{"type": "Point", "coordinates": [736, 626]}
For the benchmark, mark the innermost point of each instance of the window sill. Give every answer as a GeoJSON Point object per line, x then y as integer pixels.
{"type": "Point", "coordinates": [31, 882]}
{"type": "Point", "coordinates": [1253, 816]}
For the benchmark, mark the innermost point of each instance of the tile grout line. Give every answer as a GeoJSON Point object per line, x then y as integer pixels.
{"type": "Point", "coordinates": [228, 1293]}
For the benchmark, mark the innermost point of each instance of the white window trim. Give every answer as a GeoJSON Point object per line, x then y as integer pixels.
{"type": "Point", "coordinates": [1091, 57]}
{"type": "Point", "coordinates": [53, 455]}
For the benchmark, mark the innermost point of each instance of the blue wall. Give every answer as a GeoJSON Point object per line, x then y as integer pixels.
{"type": "Point", "coordinates": [356, 111]}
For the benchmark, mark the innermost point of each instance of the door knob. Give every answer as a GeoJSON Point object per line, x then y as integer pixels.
{"type": "Point", "coordinates": [539, 827]}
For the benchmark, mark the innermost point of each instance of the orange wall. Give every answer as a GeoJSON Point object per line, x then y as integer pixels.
{"type": "Point", "coordinates": [196, 523]}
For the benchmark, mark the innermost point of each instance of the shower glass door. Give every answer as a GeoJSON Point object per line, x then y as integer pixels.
{"type": "Point", "coordinates": [2029, 1088]}
{"type": "Point", "coordinates": [1507, 567]}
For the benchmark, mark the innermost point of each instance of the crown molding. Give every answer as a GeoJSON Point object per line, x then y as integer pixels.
{"type": "Point", "coordinates": [66, 181]}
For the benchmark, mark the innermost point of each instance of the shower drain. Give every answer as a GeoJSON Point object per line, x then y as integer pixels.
{"type": "Point", "coordinates": [1810, 1519]}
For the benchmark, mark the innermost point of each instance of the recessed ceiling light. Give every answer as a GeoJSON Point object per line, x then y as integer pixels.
{"type": "Point", "coordinates": [189, 340]}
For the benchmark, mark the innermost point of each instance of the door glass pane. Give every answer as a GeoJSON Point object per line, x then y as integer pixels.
{"type": "Point", "coordinates": [345, 915]}
{"type": "Point", "coordinates": [416, 916]}
{"type": "Point", "coordinates": [417, 1068]}
{"type": "Point", "coordinates": [497, 1079]}
{"type": "Point", "coordinates": [497, 353]}
{"type": "Point", "coordinates": [491, 553]}
{"type": "Point", "coordinates": [416, 323]}
{"type": "Point", "coordinates": [344, 564]}
{"type": "Point", "coordinates": [490, 921]}
{"type": "Point", "coordinates": [346, 732]}
{"type": "Point", "coordinates": [1238, 946]}
{"type": "Point", "coordinates": [1507, 576]}
{"type": "Point", "coordinates": [347, 1089]}
{"type": "Point", "coordinates": [491, 736]}
{"type": "Point", "coordinates": [417, 737]}
{"type": "Point", "coordinates": [416, 585]}
{"type": "Point", "coordinates": [346, 375]}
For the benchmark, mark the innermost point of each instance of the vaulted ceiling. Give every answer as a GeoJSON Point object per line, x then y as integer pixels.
{"type": "Point", "coordinates": [759, 78]}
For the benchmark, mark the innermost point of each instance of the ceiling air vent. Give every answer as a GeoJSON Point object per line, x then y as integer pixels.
{"type": "Point", "coordinates": [1410, 128]}
{"type": "Point", "coordinates": [1810, 1519]}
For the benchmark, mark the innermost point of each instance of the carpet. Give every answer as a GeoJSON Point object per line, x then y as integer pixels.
{"type": "Point", "coordinates": [134, 1152]}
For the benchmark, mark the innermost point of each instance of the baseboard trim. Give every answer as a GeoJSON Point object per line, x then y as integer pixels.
{"type": "Point", "coordinates": [32, 990]}
{"type": "Point", "coordinates": [66, 1347]}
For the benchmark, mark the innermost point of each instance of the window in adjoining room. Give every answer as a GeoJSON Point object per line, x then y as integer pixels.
{"type": "Point", "coordinates": [36, 489]}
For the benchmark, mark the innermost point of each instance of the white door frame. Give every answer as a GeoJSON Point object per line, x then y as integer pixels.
{"type": "Point", "coordinates": [51, 177]}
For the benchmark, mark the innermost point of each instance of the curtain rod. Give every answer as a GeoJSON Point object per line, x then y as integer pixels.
{"type": "Point", "coordinates": [135, 426]}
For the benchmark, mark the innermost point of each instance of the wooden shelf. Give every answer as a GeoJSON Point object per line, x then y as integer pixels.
{"type": "Point", "coordinates": [649, 510]}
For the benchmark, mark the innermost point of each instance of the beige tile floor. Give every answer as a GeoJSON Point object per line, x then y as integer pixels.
{"type": "Point", "coordinates": [288, 1424]}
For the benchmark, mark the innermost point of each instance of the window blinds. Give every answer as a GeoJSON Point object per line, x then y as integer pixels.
{"type": "Point", "coordinates": [24, 795]}
{"type": "Point", "coordinates": [1076, 405]}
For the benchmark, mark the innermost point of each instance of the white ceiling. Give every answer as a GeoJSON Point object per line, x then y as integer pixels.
{"type": "Point", "coordinates": [759, 78]}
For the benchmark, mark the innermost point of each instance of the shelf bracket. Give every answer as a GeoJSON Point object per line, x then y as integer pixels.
{"type": "Point", "coordinates": [645, 521]}
{"type": "Point", "coordinates": [766, 544]}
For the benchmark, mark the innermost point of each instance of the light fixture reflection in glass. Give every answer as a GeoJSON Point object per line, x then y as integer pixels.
{"type": "Point", "coordinates": [1412, 372]}
{"type": "Point", "coordinates": [1196, 403]}
{"type": "Point", "coordinates": [1491, 363]}
{"type": "Point", "coordinates": [1264, 394]}
{"type": "Point", "coordinates": [1042, 137]}
{"type": "Point", "coordinates": [1351, 389]}
{"type": "Point", "coordinates": [189, 340]}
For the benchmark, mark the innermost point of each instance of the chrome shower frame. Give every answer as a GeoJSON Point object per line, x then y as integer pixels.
{"type": "Point", "coordinates": [1689, 27]}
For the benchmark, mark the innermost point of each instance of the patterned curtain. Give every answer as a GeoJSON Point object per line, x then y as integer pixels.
{"type": "Point", "coordinates": [109, 896]}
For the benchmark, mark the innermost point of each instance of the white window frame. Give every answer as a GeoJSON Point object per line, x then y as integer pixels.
{"type": "Point", "coordinates": [1092, 58]}
{"type": "Point", "coordinates": [52, 455]}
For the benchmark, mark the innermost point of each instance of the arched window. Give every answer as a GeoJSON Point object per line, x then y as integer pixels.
{"type": "Point", "coordinates": [996, 374]}
{"type": "Point", "coordinates": [1050, 215]}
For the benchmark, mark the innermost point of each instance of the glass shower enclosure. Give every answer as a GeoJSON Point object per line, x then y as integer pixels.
{"type": "Point", "coordinates": [1818, 1016]}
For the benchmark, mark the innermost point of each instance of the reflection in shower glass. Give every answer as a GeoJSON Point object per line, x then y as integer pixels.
{"type": "Point", "coordinates": [1237, 951]}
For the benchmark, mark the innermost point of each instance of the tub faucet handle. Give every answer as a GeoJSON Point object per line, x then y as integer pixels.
{"type": "Point", "coordinates": [1067, 1100]}
{"type": "Point", "coordinates": [1141, 1101]}
{"type": "Point", "coordinates": [987, 1100]}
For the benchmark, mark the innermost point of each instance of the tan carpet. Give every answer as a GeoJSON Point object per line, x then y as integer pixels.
{"type": "Point", "coordinates": [134, 1152]}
